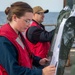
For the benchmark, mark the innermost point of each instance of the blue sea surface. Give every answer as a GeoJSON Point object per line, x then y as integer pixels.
{"type": "Point", "coordinates": [50, 19]}
{"type": "Point", "coordinates": [2, 18]}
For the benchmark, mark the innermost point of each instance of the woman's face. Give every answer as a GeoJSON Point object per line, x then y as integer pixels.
{"type": "Point", "coordinates": [24, 21]}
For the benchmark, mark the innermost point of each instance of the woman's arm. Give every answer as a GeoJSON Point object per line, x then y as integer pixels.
{"type": "Point", "coordinates": [9, 60]}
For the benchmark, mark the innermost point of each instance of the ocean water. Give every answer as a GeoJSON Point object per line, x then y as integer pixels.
{"type": "Point", "coordinates": [2, 18]}
{"type": "Point", "coordinates": [50, 19]}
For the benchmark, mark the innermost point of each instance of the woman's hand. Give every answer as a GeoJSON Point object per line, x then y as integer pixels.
{"type": "Point", "coordinates": [44, 61]}
{"type": "Point", "coordinates": [49, 70]}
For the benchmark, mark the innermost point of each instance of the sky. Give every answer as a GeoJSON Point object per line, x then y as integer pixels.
{"type": "Point", "coordinates": [52, 5]}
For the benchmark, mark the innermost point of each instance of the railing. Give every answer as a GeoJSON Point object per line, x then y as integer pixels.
{"type": "Point", "coordinates": [45, 25]}
{"type": "Point", "coordinates": [49, 24]}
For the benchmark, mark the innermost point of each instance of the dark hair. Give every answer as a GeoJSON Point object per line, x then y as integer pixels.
{"type": "Point", "coordinates": [17, 8]}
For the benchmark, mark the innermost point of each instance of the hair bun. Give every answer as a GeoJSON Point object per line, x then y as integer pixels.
{"type": "Point", "coordinates": [7, 10]}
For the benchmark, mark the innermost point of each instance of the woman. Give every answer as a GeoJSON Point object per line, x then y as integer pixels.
{"type": "Point", "coordinates": [15, 57]}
